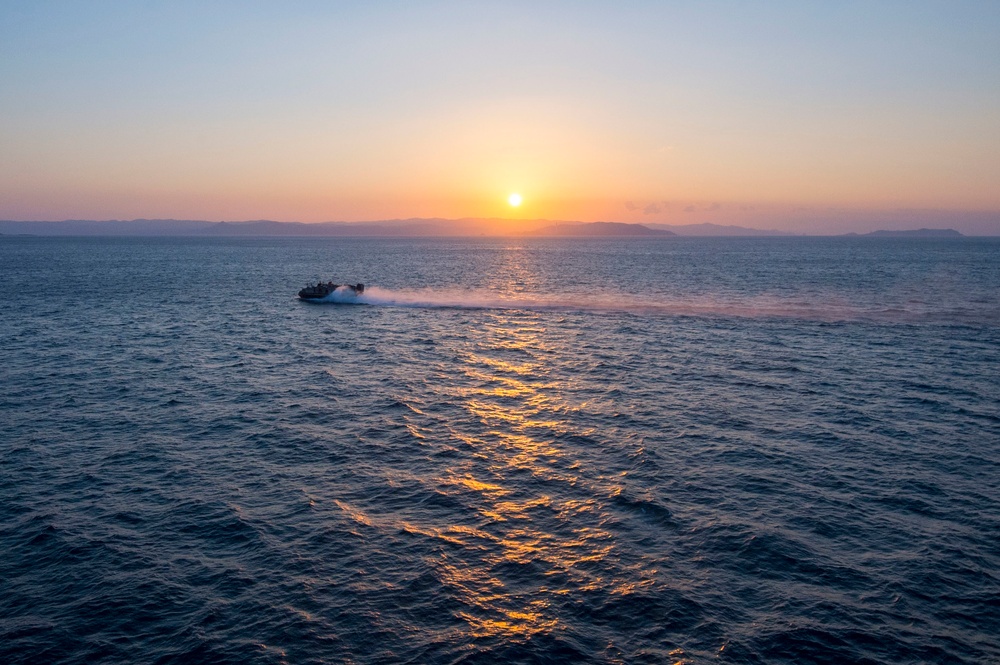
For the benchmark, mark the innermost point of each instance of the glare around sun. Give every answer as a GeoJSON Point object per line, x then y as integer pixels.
{"type": "Point", "coordinates": [514, 199]}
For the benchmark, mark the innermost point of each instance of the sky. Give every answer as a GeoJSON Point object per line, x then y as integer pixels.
{"type": "Point", "coordinates": [812, 117]}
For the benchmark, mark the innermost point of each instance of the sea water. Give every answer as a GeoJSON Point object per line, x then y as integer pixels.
{"type": "Point", "coordinates": [766, 450]}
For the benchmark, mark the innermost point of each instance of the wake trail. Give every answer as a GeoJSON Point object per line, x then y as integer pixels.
{"type": "Point", "coordinates": [828, 310]}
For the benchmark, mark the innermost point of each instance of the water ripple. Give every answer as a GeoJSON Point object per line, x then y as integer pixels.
{"type": "Point", "coordinates": [561, 452]}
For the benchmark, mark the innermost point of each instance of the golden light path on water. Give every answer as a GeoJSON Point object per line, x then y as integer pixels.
{"type": "Point", "coordinates": [523, 529]}
{"type": "Point", "coordinates": [521, 407]}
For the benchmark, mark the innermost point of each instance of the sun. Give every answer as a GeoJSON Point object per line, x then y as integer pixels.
{"type": "Point", "coordinates": [514, 199]}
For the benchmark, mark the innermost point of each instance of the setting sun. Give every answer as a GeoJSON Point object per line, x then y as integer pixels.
{"type": "Point", "coordinates": [514, 199]}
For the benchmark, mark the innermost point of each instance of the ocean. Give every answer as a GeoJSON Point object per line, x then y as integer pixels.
{"type": "Point", "coordinates": [693, 450]}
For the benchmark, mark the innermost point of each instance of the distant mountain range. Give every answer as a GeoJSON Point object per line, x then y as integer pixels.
{"type": "Point", "coordinates": [187, 227]}
{"type": "Point", "coordinates": [404, 228]}
{"type": "Point", "coordinates": [716, 230]}
{"type": "Point", "coordinates": [918, 233]}
{"type": "Point", "coordinates": [417, 227]}
{"type": "Point", "coordinates": [581, 229]}
{"type": "Point", "coordinates": [385, 228]}
{"type": "Point", "coordinates": [601, 229]}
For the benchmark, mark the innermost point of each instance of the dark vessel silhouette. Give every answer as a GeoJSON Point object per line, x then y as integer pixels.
{"type": "Point", "coordinates": [322, 290]}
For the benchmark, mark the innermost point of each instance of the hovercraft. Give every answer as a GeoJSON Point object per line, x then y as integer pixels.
{"type": "Point", "coordinates": [322, 290]}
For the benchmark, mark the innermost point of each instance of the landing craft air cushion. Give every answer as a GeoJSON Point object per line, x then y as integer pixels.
{"type": "Point", "coordinates": [321, 290]}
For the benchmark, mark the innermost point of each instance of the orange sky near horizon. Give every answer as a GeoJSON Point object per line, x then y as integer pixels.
{"type": "Point", "coordinates": [662, 114]}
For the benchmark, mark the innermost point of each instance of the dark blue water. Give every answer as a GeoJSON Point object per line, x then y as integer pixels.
{"type": "Point", "coordinates": [776, 450]}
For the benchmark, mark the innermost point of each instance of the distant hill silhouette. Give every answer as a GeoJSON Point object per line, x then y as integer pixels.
{"type": "Point", "coordinates": [186, 227]}
{"type": "Point", "coordinates": [916, 233]}
{"type": "Point", "coordinates": [403, 228]}
{"type": "Point", "coordinates": [396, 228]}
{"type": "Point", "coordinates": [601, 229]}
{"type": "Point", "coordinates": [708, 229]}
{"type": "Point", "coordinates": [407, 228]}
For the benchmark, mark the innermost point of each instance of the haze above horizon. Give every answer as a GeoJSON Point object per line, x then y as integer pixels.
{"type": "Point", "coordinates": [802, 117]}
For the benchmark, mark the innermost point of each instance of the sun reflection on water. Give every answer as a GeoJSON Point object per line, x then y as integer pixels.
{"type": "Point", "coordinates": [506, 507]}
{"type": "Point", "coordinates": [538, 547]}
